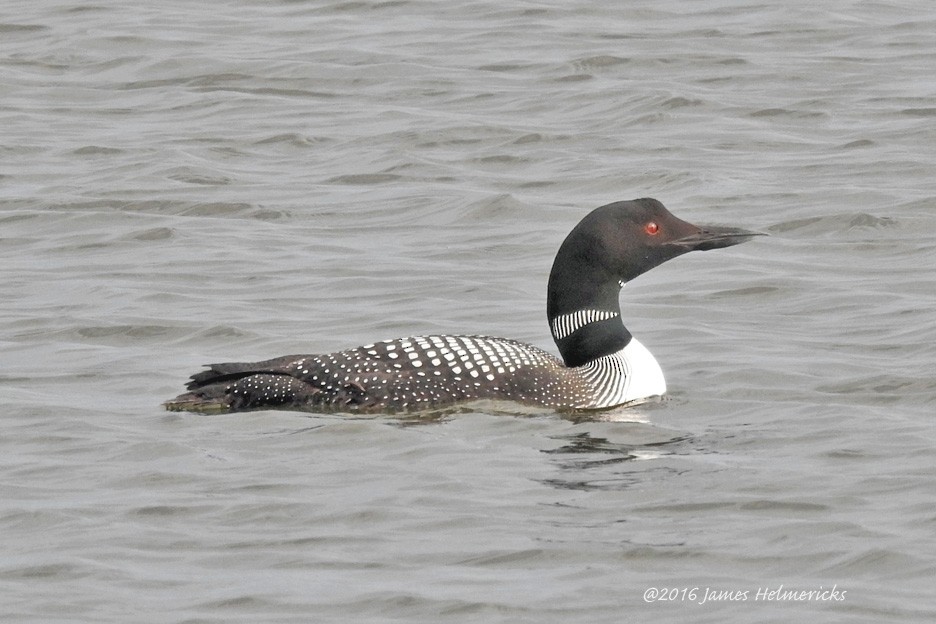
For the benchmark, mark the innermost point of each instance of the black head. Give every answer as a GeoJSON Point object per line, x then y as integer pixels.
{"type": "Point", "coordinates": [615, 243]}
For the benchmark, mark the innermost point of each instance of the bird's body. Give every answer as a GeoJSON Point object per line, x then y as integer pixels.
{"type": "Point", "coordinates": [602, 364]}
{"type": "Point", "coordinates": [425, 372]}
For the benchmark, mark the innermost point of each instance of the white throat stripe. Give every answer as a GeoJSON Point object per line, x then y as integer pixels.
{"type": "Point", "coordinates": [565, 324]}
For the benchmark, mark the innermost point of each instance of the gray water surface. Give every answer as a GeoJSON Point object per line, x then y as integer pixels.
{"type": "Point", "coordinates": [183, 183]}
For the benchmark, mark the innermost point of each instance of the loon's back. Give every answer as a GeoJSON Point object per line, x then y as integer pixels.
{"type": "Point", "coordinates": [423, 372]}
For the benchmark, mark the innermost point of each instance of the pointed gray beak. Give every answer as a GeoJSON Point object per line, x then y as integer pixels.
{"type": "Point", "coordinates": [714, 237]}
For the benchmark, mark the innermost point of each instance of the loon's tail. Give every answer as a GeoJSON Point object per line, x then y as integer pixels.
{"type": "Point", "coordinates": [215, 402]}
{"type": "Point", "coordinates": [239, 386]}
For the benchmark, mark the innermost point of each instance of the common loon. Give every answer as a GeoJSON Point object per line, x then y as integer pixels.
{"type": "Point", "coordinates": [602, 365]}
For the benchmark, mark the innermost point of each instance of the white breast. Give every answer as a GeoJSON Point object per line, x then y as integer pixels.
{"type": "Point", "coordinates": [631, 374]}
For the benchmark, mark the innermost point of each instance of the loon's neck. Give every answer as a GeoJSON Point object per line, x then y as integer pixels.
{"type": "Point", "coordinates": [584, 312]}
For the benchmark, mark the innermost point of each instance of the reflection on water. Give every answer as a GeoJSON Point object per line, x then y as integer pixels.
{"type": "Point", "coordinates": [580, 449]}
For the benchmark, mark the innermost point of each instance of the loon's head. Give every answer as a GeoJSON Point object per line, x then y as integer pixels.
{"type": "Point", "coordinates": [622, 240]}
{"type": "Point", "coordinates": [612, 245]}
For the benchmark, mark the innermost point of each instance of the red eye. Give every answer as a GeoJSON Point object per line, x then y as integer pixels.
{"type": "Point", "coordinates": [651, 228]}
